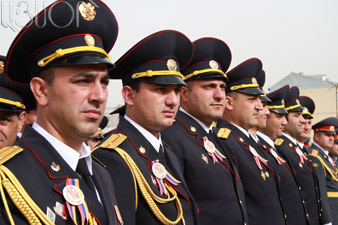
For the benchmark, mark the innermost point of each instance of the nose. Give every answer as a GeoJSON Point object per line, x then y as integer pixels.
{"type": "Point", "coordinates": [284, 121]}
{"type": "Point", "coordinates": [98, 92]}
{"type": "Point", "coordinates": [219, 93]}
{"type": "Point", "coordinates": [258, 105]}
{"type": "Point", "coordinates": [302, 120]}
{"type": "Point", "coordinates": [173, 98]}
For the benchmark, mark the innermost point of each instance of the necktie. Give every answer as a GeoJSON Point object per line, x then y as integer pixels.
{"type": "Point", "coordinates": [82, 170]}
{"type": "Point", "coordinates": [161, 152]}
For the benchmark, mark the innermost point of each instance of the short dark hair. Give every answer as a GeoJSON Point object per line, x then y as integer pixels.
{"type": "Point", "coordinates": [135, 85]}
{"type": "Point", "coordinates": [48, 75]}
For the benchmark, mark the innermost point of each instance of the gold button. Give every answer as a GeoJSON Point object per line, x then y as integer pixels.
{"type": "Point", "coordinates": [285, 216]}
{"type": "Point", "coordinates": [299, 188]}
{"type": "Point", "coordinates": [303, 202]}
{"type": "Point", "coordinates": [240, 202]}
{"type": "Point", "coordinates": [307, 215]}
{"type": "Point", "coordinates": [244, 223]}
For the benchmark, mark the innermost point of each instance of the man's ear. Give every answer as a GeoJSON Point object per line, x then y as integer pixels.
{"type": "Point", "coordinates": [40, 89]}
{"type": "Point", "coordinates": [21, 121]}
{"type": "Point", "coordinates": [128, 95]}
{"type": "Point", "coordinates": [229, 103]}
{"type": "Point", "coordinates": [184, 94]}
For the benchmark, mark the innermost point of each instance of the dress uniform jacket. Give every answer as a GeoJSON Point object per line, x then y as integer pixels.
{"type": "Point", "coordinates": [215, 186]}
{"type": "Point", "coordinates": [143, 153]}
{"type": "Point", "coordinates": [33, 167]}
{"type": "Point", "coordinates": [328, 183]}
{"type": "Point", "coordinates": [290, 195]}
{"type": "Point", "coordinates": [261, 195]}
{"type": "Point", "coordinates": [305, 176]}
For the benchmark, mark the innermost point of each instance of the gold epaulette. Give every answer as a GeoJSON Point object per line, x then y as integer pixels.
{"type": "Point", "coordinates": [112, 142]}
{"type": "Point", "coordinates": [213, 124]}
{"type": "Point", "coordinates": [7, 153]}
{"type": "Point", "coordinates": [279, 141]}
{"type": "Point", "coordinates": [314, 152]}
{"type": "Point", "coordinates": [174, 121]}
{"type": "Point", "coordinates": [223, 133]}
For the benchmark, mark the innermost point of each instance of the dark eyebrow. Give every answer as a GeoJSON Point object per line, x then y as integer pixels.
{"type": "Point", "coordinates": [90, 75]}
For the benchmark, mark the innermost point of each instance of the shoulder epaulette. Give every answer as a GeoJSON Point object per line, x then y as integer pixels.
{"type": "Point", "coordinates": [279, 141]}
{"type": "Point", "coordinates": [213, 124]}
{"type": "Point", "coordinates": [223, 133]}
{"type": "Point", "coordinates": [314, 152]}
{"type": "Point", "coordinates": [112, 142]}
{"type": "Point", "coordinates": [7, 153]}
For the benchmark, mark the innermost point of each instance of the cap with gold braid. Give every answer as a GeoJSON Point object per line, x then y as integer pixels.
{"type": "Point", "coordinates": [328, 125]}
{"type": "Point", "coordinates": [211, 59]}
{"type": "Point", "coordinates": [309, 106]}
{"type": "Point", "coordinates": [261, 82]}
{"type": "Point", "coordinates": [68, 32]}
{"type": "Point", "coordinates": [157, 58]}
{"type": "Point", "coordinates": [292, 103]}
{"type": "Point", "coordinates": [336, 137]}
{"type": "Point", "coordinates": [13, 96]}
{"type": "Point", "coordinates": [243, 78]}
{"type": "Point", "coordinates": [277, 104]}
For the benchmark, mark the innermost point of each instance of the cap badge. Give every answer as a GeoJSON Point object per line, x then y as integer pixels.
{"type": "Point", "coordinates": [87, 11]}
{"type": "Point", "coordinates": [332, 128]}
{"type": "Point", "coordinates": [1, 67]}
{"type": "Point", "coordinates": [305, 110]}
{"type": "Point", "coordinates": [213, 64]}
{"type": "Point", "coordinates": [283, 102]}
{"type": "Point", "coordinates": [297, 101]}
{"type": "Point", "coordinates": [172, 65]}
{"type": "Point", "coordinates": [90, 41]}
{"type": "Point", "coordinates": [254, 81]}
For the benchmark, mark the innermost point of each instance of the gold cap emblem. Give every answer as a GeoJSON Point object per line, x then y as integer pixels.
{"type": "Point", "coordinates": [172, 65]}
{"type": "Point", "coordinates": [305, 110]}
{"type": "Point", "coordinates": [87, 11]}
{"type": "Point", "coordinates": [142, 149]}
{"type": "Point", "coordinates": [283, 102]}
{"type": "Point", "coordinates": [90, 41]}
{"type": "Point", "coordinates": [297, 101]}
{"type": "Point", "coordinates": [213, 64]}
{"type": "Point", "coordinates": [254, 81]}
{"type": "Point", "coordinates": [193, 129]}
{"type": "Point", "coordinates": [2, 66]}
{"type": "Point", "coordinates": [332, 128]}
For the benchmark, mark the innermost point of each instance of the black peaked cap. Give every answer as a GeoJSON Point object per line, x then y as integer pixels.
{"type": "Point", "coordinates": [277, 104]}
{"type": "Point", "coordinates": [328, 125]}
{"type": "Point", "coordinates": [261, 82]}
{"type": "Point", "coordinates": [292, 103]}
{"type": "Point", "coordinates": [308, 105]}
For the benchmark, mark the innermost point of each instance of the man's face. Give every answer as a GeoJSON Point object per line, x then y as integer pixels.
{"type": "Point", "coordinates": [334, 150]}
{"type": "Point", "coordinates": [205, 99]}
{"type": "Point", "coordinates": [275, 125]}
{"type": "Point", "coordinates": [295, 124]}
{"type": "Point", "coordinates": [30, 116]}
{"type": "Point", "coordinates": [307, 126]}
{"type": "Point", "coordinates": [75, 102]}
{"type": "Point", "coordinates": [324, 140]}
{"type": "Point", "coordinates": [10, 125]}
{"type": "Point", "coordinates": [245, 109]}
{"type": "Point", "coordinates": [154, 106]}
{"type": "Point", "coordinates": [263, 116]}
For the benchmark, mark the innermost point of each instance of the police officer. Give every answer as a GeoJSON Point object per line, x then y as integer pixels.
{"type": "Point", "coordinates": [290, 195]}
{"type": "Point", "coordinates": [309, 108]}
{"type": "Point", "coordinates": [98, 136]}
{"type": "Point", "coordinates": [325, 166]}
{"type": "Point", "coordinates": [210, 175]}
{"type": "Point", "coordinates": [50, 178]}
{"type": "Point", "coordinates": [241, 114]}
{"type": "Point", "coordinates": [303, 171]}
{"type": "Point", "coordinates": [150, 187]}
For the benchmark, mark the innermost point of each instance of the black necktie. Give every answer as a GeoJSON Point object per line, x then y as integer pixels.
{"type": "Point", "coordinates": [161, 152]}
{"type": "Point", "coordinates": [82, 169]}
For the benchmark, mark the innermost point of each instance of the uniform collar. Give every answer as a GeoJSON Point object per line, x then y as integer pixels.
{"type": "Point", "coordinates": [71, 156]}
{"type": "Point", "coordinates": [266, 138]}
{"type": "Point", "coordinates": [242, 129]}
{"type": "Point", "coordinates": [294, 141]}
{"type": "Point", "coordinates": [300, 144]}
{"type": "Point", "coordinates": [320, 148]}
{"type": "Point", "coordinates": [207, 129]}
{"type": "Point", "coordinates": [151, 138]}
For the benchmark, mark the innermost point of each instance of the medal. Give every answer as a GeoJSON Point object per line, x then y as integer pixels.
{"type": "Point", "coordinates": [212, 150]}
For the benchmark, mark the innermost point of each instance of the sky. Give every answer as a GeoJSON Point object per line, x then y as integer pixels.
{"type": "Point", "coordinates": [287, 36]}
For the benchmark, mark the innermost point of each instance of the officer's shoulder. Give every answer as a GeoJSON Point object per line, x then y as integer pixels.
{"type": "Point", "coordinates": [8, 153]}
{"type": "Point", "coordinates": [279, 141]}
{"type": "Point", "coordinates": [111, 142]}
{"type": "Point", "coordinates": [314, 152]}
{"type": "Point", "coordinates": [223, 133]}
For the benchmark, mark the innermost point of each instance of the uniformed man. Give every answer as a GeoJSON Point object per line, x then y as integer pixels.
{"type": "Point", "coordinates": [241, 114]}
{"type": "Point", "coordinates": [211, 177]}
{"type": "Point", "coordinates": [50, 178]}
{"type": "Point", "coordinates": [305, 175]}
{"type": "Point", "coordinates": [98, 136]}
{"type": "Point", "coordinates": [290, 195]}
{"type": "Point", "coordinates": [150, 187]}
{"type": "Point", "coordinates": [309, 109]}
{"type": "Point", "coordinates": [334, 149]}
{"type": "Point", "coordinates": [326, 168]}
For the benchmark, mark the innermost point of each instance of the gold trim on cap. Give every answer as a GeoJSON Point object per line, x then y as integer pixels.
{"type": "Point", "coordinates": [198, 72]}
{"type": "Point", "coordinates": [276, 106]}
{"type": "Point", "coordinates": [242, 86]}
{"type": "Point", "coordinates": [151, 73]}
{"type": "Point", "coordinates": [62, 52]}
{"type": "Point", "coordinates": [293, 107]}
{"type": "Point", "coordinates": [172, 65]}
{"type": "Point", "coordinates": [87, 11]}
{"type": "Point", "coordinates": [9, 102]}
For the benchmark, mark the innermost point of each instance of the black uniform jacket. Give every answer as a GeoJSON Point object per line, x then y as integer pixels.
{"type": "Point", "coordinates": [33, 167]}
{"type": "Point", "coordinates": [143, 153]}
{"type": "Point", "coordinates": [290, 195]}
{"type": "Point", "coordinates": [306, 178]}
{"type": "Point", "coordinates": [328, 183]}
{"type": "Point", "coordinates": [262, 200]}
{"type": "Point", "coordinates": [215, 186]}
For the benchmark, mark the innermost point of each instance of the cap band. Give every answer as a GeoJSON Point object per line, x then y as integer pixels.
{"type": "Point", "coordinates": [16, 104]}
{"type": "Point", "coordinates": [242, 86]}
{"type": "Point", "coordinates": [61, 52]}
{"type": "Point", "coordinates": [151, 73]}
{"type": "Point", "coordinates": [198, 72]}
{"type": "Point", "coordinates": [293, 107]}
{"type": "Point", "coordinates": [276, 106]}
{"type": "Point", "coordinates": [307, 113]}
{"type": "Point", "coordinates": [325, 128]}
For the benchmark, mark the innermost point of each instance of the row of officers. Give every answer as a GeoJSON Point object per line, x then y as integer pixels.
{"type": "Point", "coordinates": [197, 142]}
